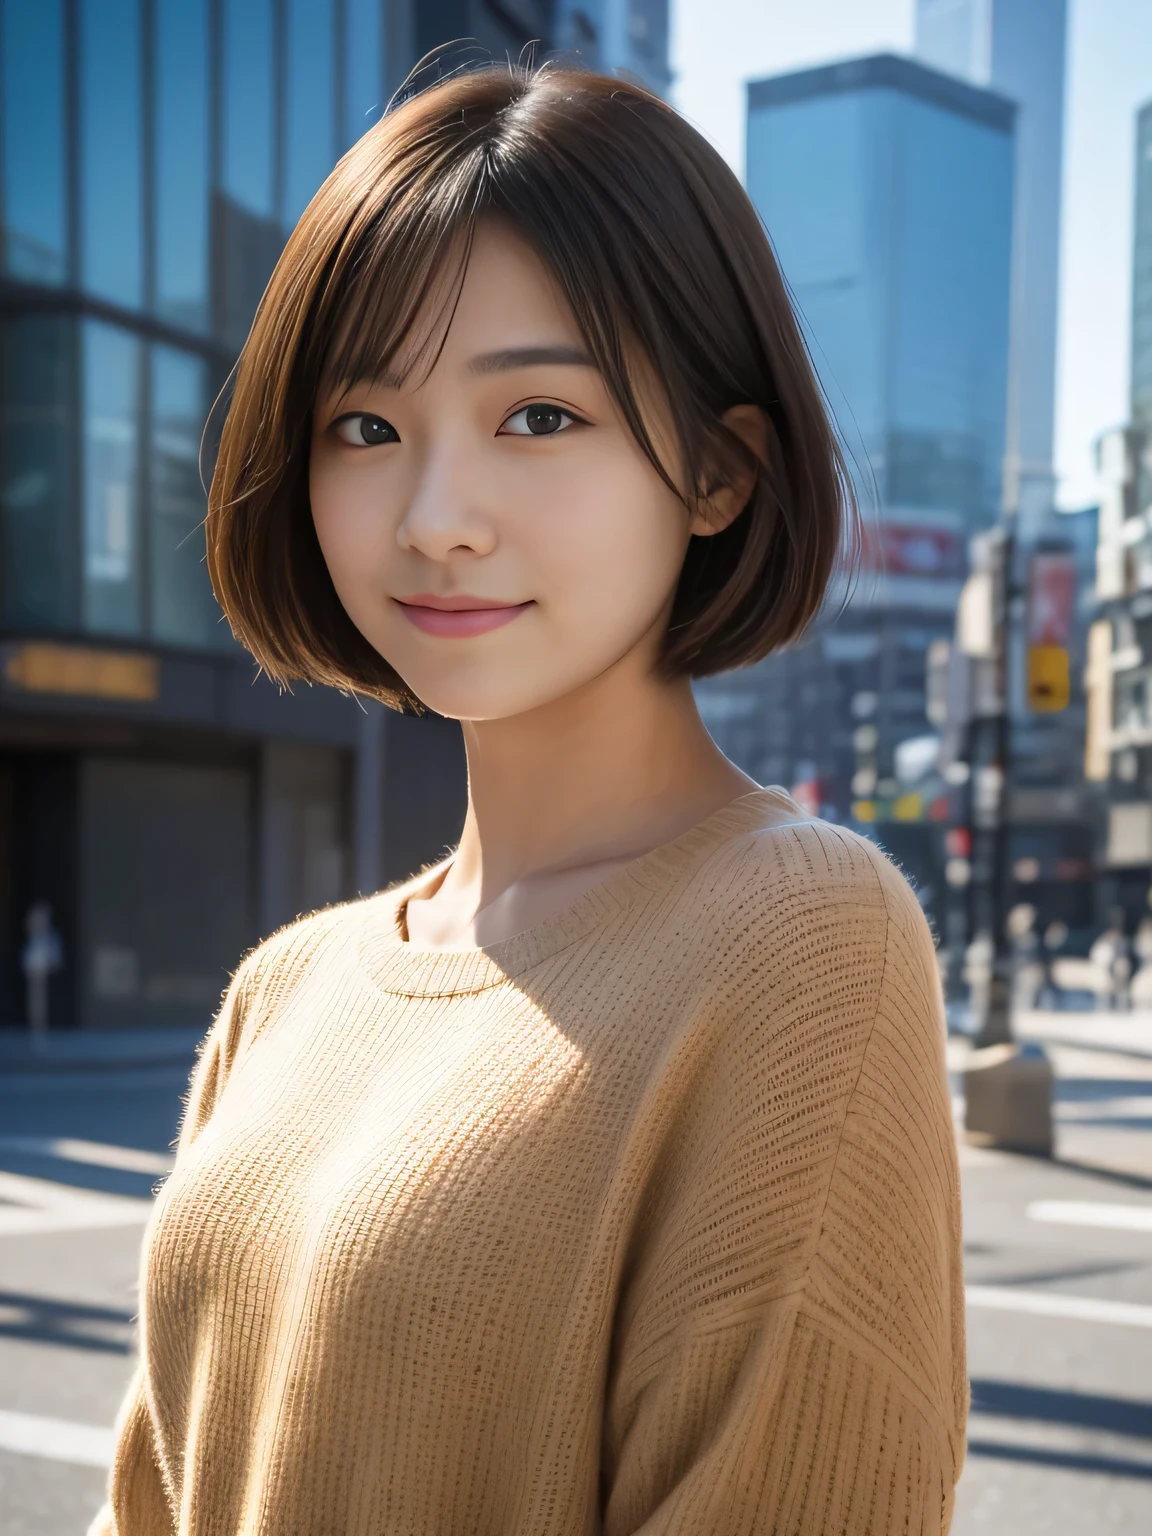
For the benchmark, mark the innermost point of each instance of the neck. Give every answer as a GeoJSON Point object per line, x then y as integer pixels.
{"type": "Point", "coordinates": [601, 775]}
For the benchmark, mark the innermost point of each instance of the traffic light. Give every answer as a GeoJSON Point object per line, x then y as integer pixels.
{"type": "Point", "coordinates": [1048, 685]}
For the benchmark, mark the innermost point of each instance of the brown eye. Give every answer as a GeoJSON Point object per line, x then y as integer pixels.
{"type": "Point", "coordinates": [365, 431]}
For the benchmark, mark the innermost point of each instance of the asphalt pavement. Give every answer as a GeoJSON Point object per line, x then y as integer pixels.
{"type": "Point", "coordinates": [1058, 1259]}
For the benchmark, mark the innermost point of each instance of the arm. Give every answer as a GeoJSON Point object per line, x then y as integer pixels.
{"type": "Point", "coordinates": [138, 1503]}
{"type": "Point", "coordinates": [790, 1353]}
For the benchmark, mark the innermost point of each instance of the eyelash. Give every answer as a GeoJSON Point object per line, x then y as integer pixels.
{"type": "Point", "coordinates": [572, 420]}
{"type": "Point", "coordinates": [541, 405]}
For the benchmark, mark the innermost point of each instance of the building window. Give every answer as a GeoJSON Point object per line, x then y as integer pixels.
{"type": "Point", "coordinates": [184, 612]}
{"type": "Point", "coordinates": [246, 234]}
{"type": "Point", "coordinates": [32, 80]}
{"type": "Point", "coordinates": [110, 150]}
{"type": "Point", "coordinates": [363, 68]}
{"type": "Point", "coordinates": [111, 544]}
{"type": "Point", "coordinates": [311, 118]}
{"type": "Point", "coordinates": [37, 464]}
{"type": "Point", "coordinates": [248, 55]}
{"type": "Point", "coordinates": [182, 128]}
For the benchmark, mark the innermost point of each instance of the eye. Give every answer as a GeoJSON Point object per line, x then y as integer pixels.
{"type": "Point", "coordinates": [538, 421]}
{"type": "Point", "coordinates": [361, 430]}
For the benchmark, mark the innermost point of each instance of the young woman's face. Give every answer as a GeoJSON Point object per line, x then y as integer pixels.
{"type": "Point", "coordinates": [492, 528]}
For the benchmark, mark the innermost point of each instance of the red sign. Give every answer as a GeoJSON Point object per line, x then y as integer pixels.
{"type": "Point", "coordinates": [901, 550]}
{"type": "Point", "coordinates": [1051, 598]}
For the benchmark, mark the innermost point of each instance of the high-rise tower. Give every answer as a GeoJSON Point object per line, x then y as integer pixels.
{"type": "Point", "coordinates": [1017, 48]}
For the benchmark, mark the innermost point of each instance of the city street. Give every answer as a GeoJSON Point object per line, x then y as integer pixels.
{"type": "Point", "coordinates": [1059, 1259]}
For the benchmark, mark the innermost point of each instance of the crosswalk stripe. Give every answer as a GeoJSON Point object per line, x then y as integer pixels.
{"type": "Point", "coordinates": [1087, 1309]}
{"type": "Point", "coordinates": [84, 1445]}
{"type": "Point", "coordinates": [1091, 1213]}
{"type": "Point", "coordinates": [41, 1205]}
{"type": "Point", "coordinates": [98, 1154]}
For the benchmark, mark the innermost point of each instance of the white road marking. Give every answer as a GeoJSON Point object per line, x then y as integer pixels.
{"type": "Point", "coordinates": [1129, 1108]}
{"type": "Point", "coordinates": [85, 1445]}
{"type": "Point", "coordinates": [97, 1153]}
{"type": "Point", "coordinates": [41, 1205]}
{"type": "Point", "coordinates": [1086, 1309]}
{"type": "Point", "coordinates": [1092, 1213]}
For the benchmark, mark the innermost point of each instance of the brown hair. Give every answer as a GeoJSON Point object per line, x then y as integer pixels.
{"type": "Point", "coordinates": [658, 251]}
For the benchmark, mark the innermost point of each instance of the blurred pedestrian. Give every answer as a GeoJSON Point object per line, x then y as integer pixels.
{"type": "Point", "coordinates": [1109, 955]}
{"type": "Point", "coordinates": [1140, 990]}
{"type": "Point", "coordinates": [41, 957]}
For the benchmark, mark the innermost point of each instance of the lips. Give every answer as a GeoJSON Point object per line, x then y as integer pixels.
{"type": "Point", "coordinates": [458, 617]}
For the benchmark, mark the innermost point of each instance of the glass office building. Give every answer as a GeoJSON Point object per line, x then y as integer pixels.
{"type": "Point", "coordinates": [630, 36]}
{"type": "Point", "coordinates": [1017, 47]}
{"type": "Point", "coordinates": [1142, 273]}
{"type": "Point", "coordinates": [886, 188]}
{"type": "Point", "coordinates": [168, 805]}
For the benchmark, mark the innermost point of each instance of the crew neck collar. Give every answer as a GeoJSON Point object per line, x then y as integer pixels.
{"type": "Point", "coordinates": [398, 966]}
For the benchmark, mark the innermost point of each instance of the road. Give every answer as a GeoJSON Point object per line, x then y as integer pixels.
{"type": "Point", "coordinates": [1059, 1271]}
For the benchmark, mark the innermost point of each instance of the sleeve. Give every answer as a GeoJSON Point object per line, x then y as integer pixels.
{"type": "Point", "coordinates": [137, 1503]}
{"type": "Point", "coordinates": [790, 1352]}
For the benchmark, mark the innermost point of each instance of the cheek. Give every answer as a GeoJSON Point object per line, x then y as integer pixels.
{"type": "Point", "coordinates": [349, 515]}
{"type": "Point", "coordinates": [615, 538]}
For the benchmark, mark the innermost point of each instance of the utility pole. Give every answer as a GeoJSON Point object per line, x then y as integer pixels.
{"type": "Point", "coordinates": [992, 834]}
{"type": "Point", "coordinates": [1008, 1085]}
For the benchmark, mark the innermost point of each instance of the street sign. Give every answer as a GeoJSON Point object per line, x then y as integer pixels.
{"type": "Point", "coordinates": [1048, 624]}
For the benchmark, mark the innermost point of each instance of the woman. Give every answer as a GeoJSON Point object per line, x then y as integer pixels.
{"type": "Point", "coordinates": [601, 1177]}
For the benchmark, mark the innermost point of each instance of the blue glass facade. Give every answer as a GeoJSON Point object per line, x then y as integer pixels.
{"type": "Point", "coordinates": [891, 213]}
{"type": "Point", "coordinates": [153, 157]}
{"type": "Point", "coordinates": [312, 129]}
{"type": "Point", "coordinates": [249, 70]}
{"type": "Point", "coordinates": [111, 140]}
{"type": "Point", "coordinates": [32, 132]}
{"type": "Point", "coordinates": [182, 162]}
{"type": "Point", "coordinates": [1142, 274]}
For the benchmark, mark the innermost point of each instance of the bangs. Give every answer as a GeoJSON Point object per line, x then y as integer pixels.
{"type": "Point", "coordinates": [383, 310]}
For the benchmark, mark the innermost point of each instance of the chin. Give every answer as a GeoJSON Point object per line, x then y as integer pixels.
{"type": "Point", "coordinates": [487, 693]}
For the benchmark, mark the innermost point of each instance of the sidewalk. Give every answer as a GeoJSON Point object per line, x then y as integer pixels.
{"type": "Point", "coordinates": [98, 1049]}
{"type": "Point", "coordinates": [1128, 1034]}
{"type": "Point", "coordinates": [1102, 1096]}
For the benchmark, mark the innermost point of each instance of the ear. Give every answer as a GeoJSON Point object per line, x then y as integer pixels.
{"type": "Point", "coordinates": [725, 501]}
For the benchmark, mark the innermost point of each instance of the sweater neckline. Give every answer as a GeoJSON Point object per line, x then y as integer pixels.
{"type": "Point", "coordinates": [396, 965]}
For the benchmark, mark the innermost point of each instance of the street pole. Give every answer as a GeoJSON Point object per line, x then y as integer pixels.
{"type": "Point", "coordinates": [1007, 1085]}
{"type": "Point", "coordinates": [996, 1024]}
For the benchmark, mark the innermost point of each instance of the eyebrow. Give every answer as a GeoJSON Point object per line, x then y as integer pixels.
{"type": "Point", "coordinates": [492, 362]}
{"type": "Point", "coordinates": [530, 357]}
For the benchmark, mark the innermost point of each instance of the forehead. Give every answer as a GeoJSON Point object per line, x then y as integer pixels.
{"type": "Point", "coordinates": [506, 300]}
{"type": "Point", "coordinates": [487, 299]}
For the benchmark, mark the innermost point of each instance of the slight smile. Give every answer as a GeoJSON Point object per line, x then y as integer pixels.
{"type": "Point", "coordinates": [458, 617]}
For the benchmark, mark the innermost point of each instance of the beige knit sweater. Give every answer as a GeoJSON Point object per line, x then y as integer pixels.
{"type": "Point", "coordinates": [644, 1220]}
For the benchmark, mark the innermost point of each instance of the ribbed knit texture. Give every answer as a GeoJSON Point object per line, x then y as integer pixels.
{"type": "Point", "coordinates": [645, 1220]}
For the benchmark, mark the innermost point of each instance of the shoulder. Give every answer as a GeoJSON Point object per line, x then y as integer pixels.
{"type": "Point", "coordinates": [805, 866]}
{"type": "Point", "coordinates": [813, 903]}
{"type": "Point", "coordinates": [329, 937]}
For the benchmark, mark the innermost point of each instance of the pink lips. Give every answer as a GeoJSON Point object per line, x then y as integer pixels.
{"type": "Point", "coordinates": [458, 617]}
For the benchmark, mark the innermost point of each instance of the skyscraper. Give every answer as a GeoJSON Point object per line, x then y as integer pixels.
{"type": "Point", "coordinates": [626, 35]}
{"type": "Point", "coordinates": [887, 190]}
{"type": "Point", "coordinates": [1142, 273]}
{"type": "Point", "coordinates": [1017, 48]}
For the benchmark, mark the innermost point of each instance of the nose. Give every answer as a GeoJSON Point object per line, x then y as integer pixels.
{"type": "Point", "coordinates": [444, 516]}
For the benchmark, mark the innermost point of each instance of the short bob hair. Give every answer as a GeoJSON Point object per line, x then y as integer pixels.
{"type": "Point", "coordinates": [659, 253]}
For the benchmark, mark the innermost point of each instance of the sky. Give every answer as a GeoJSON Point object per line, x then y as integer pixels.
{"type": "Point", "coordinates": [718, 44]}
